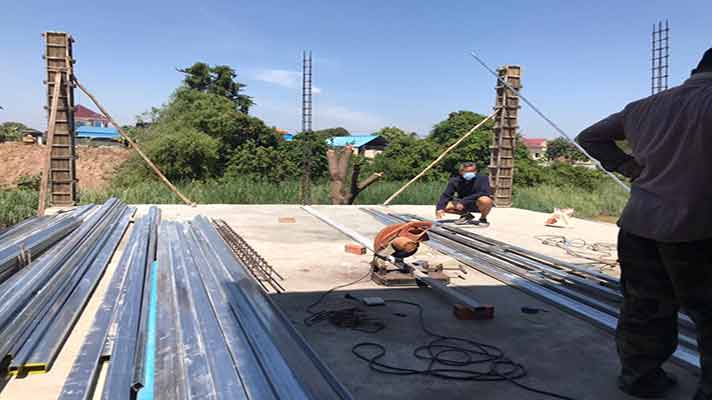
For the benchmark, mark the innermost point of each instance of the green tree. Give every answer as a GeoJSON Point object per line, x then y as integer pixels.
{"type": "Point", "coordinates": [404, 157]}
{"type": "Point", "coordinates": [272, 163]}
{"type": "Point", "coordinates": [392, 133]}
{"type": "Point", "coordinates": [308, 146]}
{"type": "Point", "coordinates": [219, 80]}
{"type": "Point", "coordinates": [216, 116]}
{"type": "Point", "coordinates": [562, 150]}
{"type": "Point", "coordinates": [475, 148]}
{"type": "Point", "coordinates": [10, 131]}
{"type": "Point", "coordinates": [184, 153]}
{"type": "Point", "coordinates": [330, 132]}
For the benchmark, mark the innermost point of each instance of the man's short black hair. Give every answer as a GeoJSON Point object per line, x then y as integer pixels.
{"type": "Point", "coordinates": [467, 164]}
{"type": "Point", "coordinates": [705, 64]}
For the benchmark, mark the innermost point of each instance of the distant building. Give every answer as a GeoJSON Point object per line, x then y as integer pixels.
{"type": "Point", "coordinates": [366, 145]}
{"type": "Point", "coordinates": [86, 117]}
{"type": "Point", "coordinates": [37, 136]}
{"type": "Point", "coordinates": [97, 133]}
{"type": "Point", "coordinates": [536, 148]}
{"type": "Point", "coordinates": [288, 137]}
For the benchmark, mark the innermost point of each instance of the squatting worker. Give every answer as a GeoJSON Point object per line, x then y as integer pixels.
{"type": "Point", "coordinates": [665, 239]}
{"type": "Point", "coordinates": [473, 195]}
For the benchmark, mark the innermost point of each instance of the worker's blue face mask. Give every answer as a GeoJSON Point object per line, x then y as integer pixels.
{"type": "Point", "coordinates": [469, 175]}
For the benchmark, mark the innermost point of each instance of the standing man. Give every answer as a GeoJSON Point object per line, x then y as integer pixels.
{"type": "Point", "coordinates": [665, 239]}
{"type": "Point", "coordinates": [473, 195]}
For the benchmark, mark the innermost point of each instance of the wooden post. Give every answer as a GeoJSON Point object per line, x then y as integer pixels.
{"type": "Point", "coordinates": [505, 135]}
{"type": "Point", "coordinates": [440, 157]}
{"type": "Point", "coordinates": [50, 140]}
{"type": "Point", "coordinates": [134, 145]}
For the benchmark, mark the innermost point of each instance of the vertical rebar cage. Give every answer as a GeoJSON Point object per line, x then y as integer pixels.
{"type": "Point", "coordinates": [660, 57]}
{"type": "Point", "coordinates": [307, 92]}
{"type": "Point", "coordinates": [306, 124]}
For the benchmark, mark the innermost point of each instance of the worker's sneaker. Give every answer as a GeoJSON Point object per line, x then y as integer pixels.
{"type": "Point", "coordinates": [653, 386]}
{"type": "Point", "coordinates": [483, 222]}
{"type": "Point", "coordinates": [465, 219]}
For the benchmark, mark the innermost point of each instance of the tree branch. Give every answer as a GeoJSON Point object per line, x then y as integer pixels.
{"type": "Point", "coordinates": [370, 180]}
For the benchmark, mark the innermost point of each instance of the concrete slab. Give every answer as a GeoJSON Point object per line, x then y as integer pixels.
{"type": "Point", "coordinates": [561, 353]}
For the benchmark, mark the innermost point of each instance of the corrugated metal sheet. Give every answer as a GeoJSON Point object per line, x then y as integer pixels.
{"type": "Point", "coordinates": [95, 132]}
{"type": "Point", "coordinates": [356, 141]}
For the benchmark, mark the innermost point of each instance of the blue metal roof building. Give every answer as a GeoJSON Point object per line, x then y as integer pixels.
{"type": "Point", "coordinates": [96, 132]}
{"type": "Point", "coordinates": [355, 141]}
{"type": "Point", "coordinates": [366, 145]}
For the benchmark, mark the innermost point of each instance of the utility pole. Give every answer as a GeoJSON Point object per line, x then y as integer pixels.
{"type": "Point", "coordinates": [307, 125]}
{"type": "Point", "coordinates": [660, 57]}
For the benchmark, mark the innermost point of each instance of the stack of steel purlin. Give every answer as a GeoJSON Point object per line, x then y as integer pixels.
{"type": "Point", "coordinates": [40, 303]}
{"type": "Point", "coordinates": [23, 242]}
{"type": "Point", "coordinates": [576, 289]}
{"type": "Point", "coordinates": [120, 329]}
{"type": "Point", "coordinates": [214, 334]}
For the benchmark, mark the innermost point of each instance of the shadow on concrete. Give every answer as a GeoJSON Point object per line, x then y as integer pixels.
{"type": "Point", "coordinates": [561, 353]}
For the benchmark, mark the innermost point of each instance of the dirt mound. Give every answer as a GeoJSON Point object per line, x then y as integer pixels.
{"type": "Point", "coordinates": [95, 165]}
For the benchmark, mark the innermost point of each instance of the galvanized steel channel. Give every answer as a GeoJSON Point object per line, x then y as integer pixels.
{"type": "Point", "coordinates": [218, 334]}
{"type": "Point", "coordinates": [534, 282]}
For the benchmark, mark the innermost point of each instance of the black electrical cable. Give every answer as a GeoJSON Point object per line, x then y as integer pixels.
{"type": "Point", "coordinates": [452, 352]}
{"type": "Point", "coordinates": [452, 358]}
{"type": "Point", "coordinates": [310, 308]}
{"type": "Point", "coordinates": [348, 317]}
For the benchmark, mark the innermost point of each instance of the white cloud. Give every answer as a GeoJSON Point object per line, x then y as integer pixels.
{"type": "Point", "coordinates": [281, 77]}
{"type": "Point", "coordinates": [284, 78]}
{"type": "Point", "coordinates": [355, 121]}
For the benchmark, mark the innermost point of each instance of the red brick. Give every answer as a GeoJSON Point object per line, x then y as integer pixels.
{"type": "Point", "coordinates": [355, 248]}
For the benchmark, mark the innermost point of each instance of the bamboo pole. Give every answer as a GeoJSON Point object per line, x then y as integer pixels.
{"type": "Point", "coordinates": [440, 157]}
{"type": "Point", "coordinates": [51, 126]}
{"type": "Point", "coordinates": [134, 145]}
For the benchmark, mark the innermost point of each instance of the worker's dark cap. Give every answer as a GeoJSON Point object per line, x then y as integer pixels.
{"type": "Point", "coordinates": [705, 64]}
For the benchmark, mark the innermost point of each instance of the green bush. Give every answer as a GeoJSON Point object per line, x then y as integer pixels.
{"type": "Point", "coordinates": [11, 131]}
{"type": "Point", "coordinates": [29, 182]}
{"type": "Point", "coordinates": [181, 153]}
{"type": "Point", "coordinates": [269, 163]}
{"type": "Point", "coordinates": [17, 205]}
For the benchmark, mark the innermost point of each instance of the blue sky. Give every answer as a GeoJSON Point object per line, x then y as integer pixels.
{"type": "Point", "coordinates": [376, 63]}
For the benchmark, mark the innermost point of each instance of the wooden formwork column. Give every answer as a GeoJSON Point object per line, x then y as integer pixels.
{"type": "Point", "coordinates": [505, 135]}
{"type": "Point", "coordinates": [62, 168]}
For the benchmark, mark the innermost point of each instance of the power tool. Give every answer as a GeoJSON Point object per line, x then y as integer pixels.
{"type": "Point", "coordinates": [392, 246]}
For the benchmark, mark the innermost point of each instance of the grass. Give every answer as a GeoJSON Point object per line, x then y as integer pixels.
{"type": "Point", "coordinates": [247, 191]}
{"type": "Point", "coordinates": [608, 200]}
{"type": "Point", "coordinates": [16, 206]}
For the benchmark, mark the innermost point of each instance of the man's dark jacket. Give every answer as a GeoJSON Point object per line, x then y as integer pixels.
{"type": "Point", "coordinates": [670, 135]}
{"type": "Point", "coordinates": [467, 191]}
